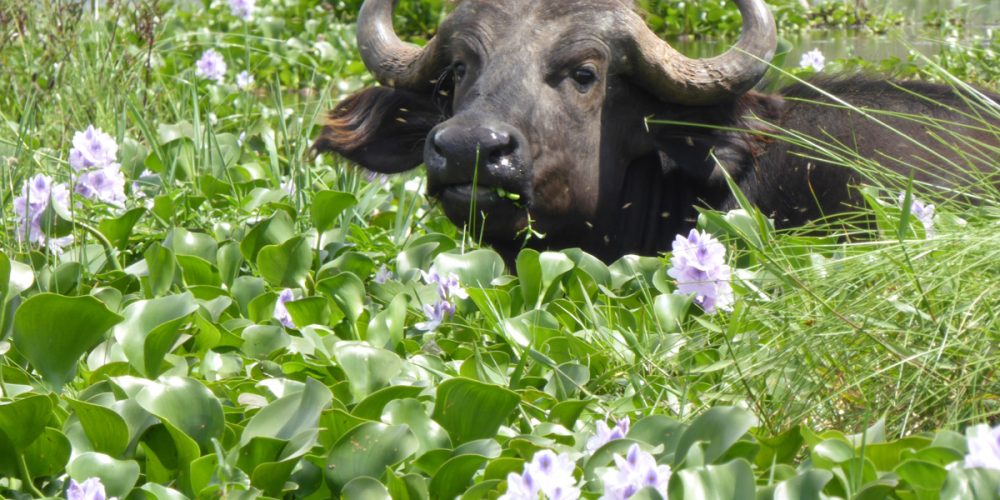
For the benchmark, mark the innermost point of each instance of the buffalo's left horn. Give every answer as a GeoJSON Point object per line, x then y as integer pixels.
{"type": "Point", "coordinates": [393, 62]}
{"type": "Point", "coordinates": [676, 78]}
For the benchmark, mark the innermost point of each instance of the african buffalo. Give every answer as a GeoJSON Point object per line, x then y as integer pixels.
{"type": "Point", "coordinates": [529, 112]}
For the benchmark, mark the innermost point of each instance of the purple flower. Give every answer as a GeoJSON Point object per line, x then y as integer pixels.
{"type": "Point", "coordinates": [448, 286]}
{"type": "Point", "coordinates": [813, 59]}
{"type": "Point", "coordinates": [548, 474]}
{"type": "Point", "coordinates": [633, 472]}
{"type": "Point", "coordinates": [242, 9]}
{"type": "Point", "coordinates": [984, 447]}
{"type": "Point", "coordinates": [383, 275]}
{"type": "Point", "coordinates": [244, 80]}
{"type": "Point", "coordinates": [280, 311]}
{"type": "Point", "coordinates": [921, 212]}
{"type": "Point", "coordinates": [91, 489]}
{"type": "Point", "coordinates": [698, 263]}
{"type": "Point", "coordinates": [29, 208]}
{"type": "Point", "coordinates": [436, 313]}
{"type": "Point", "coordinates": [211, 66]}
{"type": "Point", "coordinates": [92, 148]}
{"type": "Point", "coordinates": [606, 434]}
{"type": "Point", "coordinates": [105, 184]}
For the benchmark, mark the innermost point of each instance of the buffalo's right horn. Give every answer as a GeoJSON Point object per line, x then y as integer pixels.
{"type": "Point", "coordinates": [676, 78]}
{"type": "Point", "coordinates": [393, 62]}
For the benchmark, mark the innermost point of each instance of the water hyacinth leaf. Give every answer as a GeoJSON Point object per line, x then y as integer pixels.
{"type": "Point", "coordinates": [62, 280]}
{"type": "Point", "coordinates": [367, 368]}
{"type": "Point", "coordinates": [567, 412]}
{"type": "Point", "coordinates": [529, 272]}
{"type": "Point", "coordinates": [806, 486]}
{"type": "Point", "coordinates": [56, 220]}
{"type": "Point", "coordinates": [118, 230]}
{"type": "Point", "coordinates": [567, 380]}
{"type": "Point", "coordinates": [833, 450]}
{"type": "Point", "coordinates": [671, 310]}
{"type": "Point", "coordinates": [106, 430]}
{"type": "Point", "coordinates": [185, 404]}
{"type": "Point", "coordinates": [54, 343]}
{"type": "Point", "coordinates": [720, 427]}
{"type": "Point", "coordinates": [371, 407]}
{"type": "Point", "coordinates": [167, 133]}
{"type": "Point", "coordinates": [289, 415]}
{"type": "Point", "coordinates": [469, 409]}
{"type": "Point", "coordinates": [477, 268]}
{"type": "Point", "coordinates": [259, 341]}
{"type": "Point", "coordinates": [17, 278]}
{"type": "Point", "coordinates": [162, 266]}
{"type": "Point", "coordinates": [327, 207]}
{"type": "Point", "coordinates": [412, 413]}
{"type": "Point", "coordinates": [184, 242]}
{"type": "Point", "coordinates": [406, 487]}
{"type": "Point", "coordinates": [159, 492]}
{"type": "Point", "coordinates": [365, 488]}
{"type": "Point", "coordinates": [151, 328]}
{"type": "Point", "coordinates": [730, 481]}
{"type": "Point", "coordinates": [286, 265]}
{"type": "Point", "coordinates": [455, 475]}
{"type": "Point", "coordinates": [347, 291]}
{"type": "Point", "coordinates": [780, 449]}
{"type": "Point", "coordinates": [47, 455]}
{"type": "Point", "coordinates": [366, 451]}
{"type": "Point", "coordinates": [386, 328]}
{"type": "Point", "coordinates": [922, 475]}
{"type": "Point", "coordinates": [309, 311]}
{"type": "Point", "coordinates": [274, 231]}
{"type": "Point", "coordinates": [23, 420]}
{"type": "Point", "coordinates": [198, 272]}
{"type": "Point", "coordinates": [524, 330]}
{"type": "Point", "coordinates": [229, 260]}
{"type": "Point", "coordinates": [117, 476]}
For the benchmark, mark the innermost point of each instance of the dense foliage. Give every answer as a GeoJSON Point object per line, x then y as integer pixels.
{"type": "Point", "coordinates": [192, 305]}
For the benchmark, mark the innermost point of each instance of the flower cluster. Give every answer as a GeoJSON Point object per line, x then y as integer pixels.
{"type": "Point", "coordinates": [30, 207]}
{"type": "Point", "coordinates": [244, 80]}
{"type": "Point", "coordinates": [448, 288]}
{"type": "Point", "coordinates": [813, 59]}
{"type": "Point", "coordinates": [243, 9]}
{"type": "Point", "coordinates": [281, 311]}
{"type": "Point", "coordinates": [98, 175]}
{"type": "Point", "coordinates": [606, 434]}
{"type": "Point", "coordinates": [548, 474]}
{"type": "Point", "coordinates": [698, 263]}
{"type": "Point", "coordinates": [984, 447]}
{"type": "Point", "coordinates": [922, 212]}
{"type": "Point", "coordinates": [211, 66]}
{"type": "Point", "coordinates": [91, 489]}
{"type": "Point", "coordinates": [636, 470]}
{"type": "Point", "coordinates": [383, 275]}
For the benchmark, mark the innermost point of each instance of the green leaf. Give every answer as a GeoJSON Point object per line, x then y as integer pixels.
{"type": "Point", "coordinates": [117, 230]}
{"type": "Point", "coordinates": [386, 328]}
{"type": "Point", "coordinates": [162, 266]}
{"type": "Point", "coordinates": [730, 481]}
{"type": "Point", "coordinates": [47, 455]}
{"type": "Point", "coordinates": [327, 207]}
{"type": "Point", "coordinates": [289, 415]}
{"type": "Point", "coordinates": [806, 486]}
{"type": "Point", "coordinates": [365, 488]}
{"type": "Point", "coordinates": [368, 368]}
{"type": "Point", "coordinates": [54, 343]}
{"type": "Point", "coordinates": [670, 310]}
{"type": "Point", "coordinates": [274, 231]}
{"type": "Point", "coordinates": [371, 407]}
{"type": "Point", "coordinates": [151, 329]}
{"type": "Point", "coordinates": [106, 430]}
{"type": "Point", "coordinates": [185, 404]}
{"type": "Point", "coordinates": [720, 427]}
{"type": "Point", "coordinates": [184, 242]}
{"type": "Point", "coordinates": [455, 475]}
{"type": "Point", "coordinates": [23, 420]}
{"type": "Point", "coordinates": [477, 268]}
{"type": "Point", "coordinates": [366, 451]}
{"type": "Point", "coordinates": [469, 409]}
{"type": "Point", "coordinates": [923, 475]}
{"type": "Point", "coordinates": [286, 265]}
{"type": "Point", "coordinates": [411, 412]}
{"type": "Point", "coordinates": [117, 476]}
{"type": "Point", "coordinates": [347, 291]}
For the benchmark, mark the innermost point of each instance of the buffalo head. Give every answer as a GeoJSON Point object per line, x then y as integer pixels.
{"type": "Point", "coordinates": [530, 112]}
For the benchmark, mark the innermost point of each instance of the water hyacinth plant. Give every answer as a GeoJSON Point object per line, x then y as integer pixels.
{"type": "Point", "coordinates": [193, 306]}
{"type": "Point", "coordinates": [698, 263]}
{"type": "Point", "coordinates": [814, 60]}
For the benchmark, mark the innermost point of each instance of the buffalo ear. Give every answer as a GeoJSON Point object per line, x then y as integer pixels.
{"type": "Point", "coordinates": [380, 128]}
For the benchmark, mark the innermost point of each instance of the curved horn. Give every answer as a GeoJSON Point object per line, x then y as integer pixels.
{"type": "Point", "coordinates": [393, 62]}
{"type": "Point", "coordinates": [676, 78]}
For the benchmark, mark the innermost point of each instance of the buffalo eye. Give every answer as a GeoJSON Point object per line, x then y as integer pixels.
{"type": "Point", "coordinates": [585, 77]}
{"type": "Point", "coordinates": [458, 69]}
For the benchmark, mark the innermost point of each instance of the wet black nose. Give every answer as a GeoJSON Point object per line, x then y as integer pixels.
{"type": "Point", "coordinates": [456, 152]}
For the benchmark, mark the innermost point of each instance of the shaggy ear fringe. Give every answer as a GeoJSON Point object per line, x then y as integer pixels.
{"type": "Point", "coordinates": [371, 114]}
